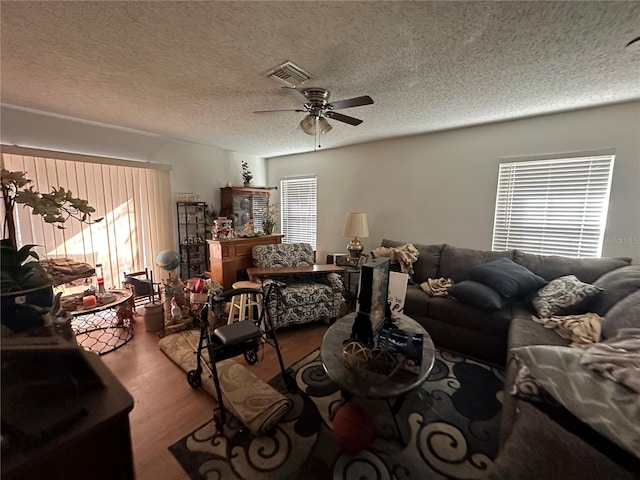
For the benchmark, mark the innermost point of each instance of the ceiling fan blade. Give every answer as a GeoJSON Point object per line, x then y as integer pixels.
{"type": "Point", "coordinates": [298, 94]}
{"type": "Point", "coordinates": [351, 102]}
{"type": "Point", "coordinates": [343, 118]}
{"type": "Point", "coordinates": [285, 110]}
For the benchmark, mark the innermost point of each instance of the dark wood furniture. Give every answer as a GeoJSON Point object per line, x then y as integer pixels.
{"type": "Point", "coordinates": [242, 204]}
{"type": "Point", "coordinates": [256, 273]}
{"type": "Point", "coordinates": [228, 257]}
{"type": "Point", "coordinates": [96, 445]}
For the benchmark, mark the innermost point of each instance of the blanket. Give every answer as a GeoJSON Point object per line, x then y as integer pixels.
{"type": "Point", "coordinates": [582, 330]}
{"type": "Point", "coordinates": [405, 254]}
{"type": "Point", "coordinates": [617, 358]}
{"type": "Point", "coordinates": [257, 405]}
{"type": "Point", "coordinates": [437, 287]}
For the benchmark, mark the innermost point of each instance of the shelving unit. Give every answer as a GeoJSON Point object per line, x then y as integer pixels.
{"type": "Point", "coordinates": [242, 204]}
{"type": "Point", "coordinates": [192, 231]}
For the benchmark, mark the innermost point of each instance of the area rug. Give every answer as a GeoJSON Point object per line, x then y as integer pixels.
{"type": "Point", "coordinates": [452, 423]}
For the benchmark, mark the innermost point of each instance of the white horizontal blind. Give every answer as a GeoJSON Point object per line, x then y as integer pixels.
{"type": "Point", "coordinates": [135, 204]}
{"type": "Point", "coordinates": [554, 206]}
{"type": "Point", "coordinates": [299, 210]}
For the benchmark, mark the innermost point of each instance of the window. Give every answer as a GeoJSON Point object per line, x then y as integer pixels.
{"type": "Point", "coordinates": [554, 206]}
{"type": "Point", "coordinates": [133, 198]}
{"type": "Point", "coordinates": [299, 210]}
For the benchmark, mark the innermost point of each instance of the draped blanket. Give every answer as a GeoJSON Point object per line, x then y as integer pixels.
{"type": "Point", "coordinates": [617, 358]}
{"type": "Point", "coordinates": [405, 254]}
{"type": "Point", "coordinates": [581, 330]}
{"type": "Point", "coordinates": [257, 405]}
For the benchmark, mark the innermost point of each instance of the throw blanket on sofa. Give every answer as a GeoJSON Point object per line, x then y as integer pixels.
{"type": "Point", "coordinates": [405, 254]}
{"type": "Point", "coordinates": [617, 358]}
{"type": "Point", "coordinates": [581, 330]}
{"type": "Point", "coordinates": [436, 287]}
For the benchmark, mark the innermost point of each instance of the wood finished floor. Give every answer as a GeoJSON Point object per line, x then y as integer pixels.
{"type": "Point", "coordinates": [166, 408]}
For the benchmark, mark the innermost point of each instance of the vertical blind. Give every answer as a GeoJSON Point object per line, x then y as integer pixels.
{"type": "Point", "coordinates": [135, 204]}
{"type": "Point", "coordinates": [299, 210]}
{"type": "Point", "coordinates": [554, 206]}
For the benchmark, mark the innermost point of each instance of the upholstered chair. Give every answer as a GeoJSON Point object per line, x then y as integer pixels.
{"type": "Point", "coordinates": [307, 297]}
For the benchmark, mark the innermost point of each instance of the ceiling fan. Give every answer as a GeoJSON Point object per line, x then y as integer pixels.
{"type": "Point", "coordinates": [316, 104]}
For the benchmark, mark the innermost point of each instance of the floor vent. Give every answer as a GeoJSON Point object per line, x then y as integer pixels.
{"type": "Point", "coordinates": [288, 74]}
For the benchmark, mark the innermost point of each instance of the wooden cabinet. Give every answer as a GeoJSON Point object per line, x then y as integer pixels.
{"type": "Point", "coordinates": [96, 444]}
{"type": "Point", "coordinates": [192, 230]}
{"type": "Point", "coordinates": [229, 257]}
{"type": "Point", "coordinates": [242, 204]}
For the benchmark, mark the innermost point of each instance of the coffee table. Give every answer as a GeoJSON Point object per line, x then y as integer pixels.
{"type": "Point", "coordinates": [352, 383]}
{"type": "Point", "coordinates": [106, 326]}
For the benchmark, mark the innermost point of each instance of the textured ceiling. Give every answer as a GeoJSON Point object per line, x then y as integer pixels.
{"type": "Point", "coordinates": [194, 70]}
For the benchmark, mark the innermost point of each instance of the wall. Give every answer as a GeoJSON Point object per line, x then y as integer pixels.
{"type": "Point", "coordinates": [199, 169]}
{"type": "Point", "coordinates": [441, 187]}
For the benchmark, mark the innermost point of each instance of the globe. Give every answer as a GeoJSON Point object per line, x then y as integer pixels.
{"type": "Point", "coordinates": [168, 260]}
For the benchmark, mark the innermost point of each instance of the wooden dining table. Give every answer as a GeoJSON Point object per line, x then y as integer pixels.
{"type": "Point", "coordinates": [256, 273]}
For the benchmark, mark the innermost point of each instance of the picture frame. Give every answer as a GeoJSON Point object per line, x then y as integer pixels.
{"type": "Point", "coordinates": [363, 259]}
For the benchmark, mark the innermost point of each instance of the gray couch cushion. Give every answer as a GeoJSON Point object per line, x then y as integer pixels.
{"type": "Point", "coordinates": [524, 332]}
{"type": "Point", "coordinates": [616, 285]}
{"type": "Point", "coordinates": [539, 448]}
{"type": "Point", "coordinates": [625, 314]}
{"type": "Point", "coordinates": [455, 262]}
{"type": "Point", "coordinates": [426, 266]}
{"type": "Point", "coordinates": [470, 318]}
{"type": "Point", "coordinates": [507, 277]}
{"type": "Point", "coordinates": [477, 295]}
{"type": "Point", "coordinates": [553, 266]}
{"type": "Point", "coordinates": [416, 301]}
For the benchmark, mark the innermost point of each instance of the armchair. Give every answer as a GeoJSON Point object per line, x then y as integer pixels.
{"type": "Point", "coordinates": [307, 297]}
{"type": "Point", "coordinates": [143, 287]}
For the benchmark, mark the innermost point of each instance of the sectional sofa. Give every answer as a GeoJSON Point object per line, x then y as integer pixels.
{"type": "Point", "coordinates": [540, 437]}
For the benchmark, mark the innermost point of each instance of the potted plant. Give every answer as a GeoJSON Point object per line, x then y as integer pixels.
{"type": "Point", "coordinates": [21, 271]}
{"type": "Point", "coordinates": [246, 174]}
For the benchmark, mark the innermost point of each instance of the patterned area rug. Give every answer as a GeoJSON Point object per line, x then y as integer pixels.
{"type": "Point", "coordinates": [452, 422]}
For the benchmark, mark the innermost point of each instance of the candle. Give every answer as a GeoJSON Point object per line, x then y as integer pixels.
{"type": "Point", "coordinates": [89, 301]}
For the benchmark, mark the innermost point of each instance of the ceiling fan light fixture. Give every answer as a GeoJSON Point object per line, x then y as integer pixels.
{"type": "Point", "coordinates": [308, 125]}
{"type": "Point", "coordinates": [324, 125]}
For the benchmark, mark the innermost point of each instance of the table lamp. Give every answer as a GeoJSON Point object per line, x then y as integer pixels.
{"type": "Point", "coordinates": [355, 226]}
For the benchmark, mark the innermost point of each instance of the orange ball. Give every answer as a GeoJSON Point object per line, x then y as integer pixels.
{"type": "Point", "coordinates": [353, 428]}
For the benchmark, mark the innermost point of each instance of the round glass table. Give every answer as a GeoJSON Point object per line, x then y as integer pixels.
{"type": "Point", "coordinates": [354, 383]}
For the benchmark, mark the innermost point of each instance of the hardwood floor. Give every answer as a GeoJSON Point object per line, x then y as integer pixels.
{"type": "Point", "coordinates": [166, 408]}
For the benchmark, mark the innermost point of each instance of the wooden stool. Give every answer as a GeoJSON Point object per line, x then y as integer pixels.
{"type": "Point", "coordinates": [245, 302]}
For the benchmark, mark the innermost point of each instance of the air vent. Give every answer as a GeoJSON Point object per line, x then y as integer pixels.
{"type": "Point", "coordinates": [288, 74]}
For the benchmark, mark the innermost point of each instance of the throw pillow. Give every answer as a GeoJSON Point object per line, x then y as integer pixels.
{"type": "Point", "coordinates": [625, 314]}
{"type": "Point", "coordinates": [562, 293]}
{"type": "Point", "coordinates": [507, 277]}
{"type": "Point", "coordinates": [607, 406]}
{"type": "Point", "coordinates": [477, 295]}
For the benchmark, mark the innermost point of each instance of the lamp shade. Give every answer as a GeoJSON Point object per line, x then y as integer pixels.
{"type": "Point", "coordinates": [356, 225]}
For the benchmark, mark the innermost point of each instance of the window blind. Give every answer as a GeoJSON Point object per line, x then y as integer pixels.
{"type": "Point", "coordinates": [298, 210]}
{"type": "Point", "coordinates": [135, 203]}
{"type": "Point", "coordinates": [554, 206]}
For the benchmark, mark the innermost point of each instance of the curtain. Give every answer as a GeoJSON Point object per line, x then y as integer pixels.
{"type": "Point", "coordinates": [133, 201]}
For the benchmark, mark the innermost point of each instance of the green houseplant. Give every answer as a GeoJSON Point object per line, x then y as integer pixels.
{"type": "Point", "coordinates": [20, 268]}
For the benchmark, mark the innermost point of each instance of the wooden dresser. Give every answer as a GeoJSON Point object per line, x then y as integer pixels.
{"type": "Point", "coordinates": [228, 257]}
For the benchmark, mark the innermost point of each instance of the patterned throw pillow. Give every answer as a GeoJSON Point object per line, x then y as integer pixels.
{"type": "Point", "coordinates": [562, 293]}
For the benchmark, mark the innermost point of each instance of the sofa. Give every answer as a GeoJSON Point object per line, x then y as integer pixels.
{"type": "Point", "coordinates": [540, 437]}
{"type": "Point", "coordinates": [305, 298]}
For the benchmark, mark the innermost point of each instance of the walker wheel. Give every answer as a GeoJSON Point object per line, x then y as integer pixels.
{"type": "Point", "coordinates": [251, 356]}
{"type": "Point", "coordinates": [194, 379]}
{"type": "Point", "coordinates": [290, 382]}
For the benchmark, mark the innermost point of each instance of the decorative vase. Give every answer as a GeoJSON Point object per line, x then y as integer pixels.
{"type": "Point", "coordinates": [247, 184]}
